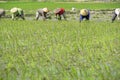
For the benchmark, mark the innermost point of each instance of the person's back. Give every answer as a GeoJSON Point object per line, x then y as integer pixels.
{"type": "Point", "coordinates": [20, 11]}
{"type": "Point", "coordinates": [59, 11]}
{"type": "Point", "coordinates": [2, 12]}
{"type": "Point", "coordinates": [62, 10]}
{"type": "Point", "coordinates": [42, 12]}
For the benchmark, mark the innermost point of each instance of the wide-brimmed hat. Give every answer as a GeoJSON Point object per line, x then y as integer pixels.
{"type": "Point", "coordinates": [13, 10]}
{"type": "Point", "coordinates": [84, 12]}
{"type": "Point", "coordinates": [45, 9]}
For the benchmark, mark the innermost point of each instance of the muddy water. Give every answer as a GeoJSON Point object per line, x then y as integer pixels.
{"type": "Point", "coordinates": [101, 15]}
{"type": "Point", "coordinates": [94, 16]}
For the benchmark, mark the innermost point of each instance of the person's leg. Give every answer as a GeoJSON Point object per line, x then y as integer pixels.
{"type": "Point", "coordinates": [37, 15]}
{"type": "Point", "coordinates": [114, 16]}
{"type": "Point", "coordinates": [118, 16]}
{"type": "Point", "coordinates": [22, 15]}
{"type": "Point", "coordinates": [64, 15]}
{"type": "Point", "coordinates": [59, 18]}
{"type": "Point", "coordinates": [88, 17]}
{"type": "Point", "coordinates": [44, 15]}
{"type": "Point", "coordinates": [48, 16]}
{"type": "Point", "coordinates": [81, 18]}
{"type": "Point", "coordinates": [13, 16]}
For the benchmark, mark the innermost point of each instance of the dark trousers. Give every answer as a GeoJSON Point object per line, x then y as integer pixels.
{"type": "Point", "coordinates": [86, 17]}
{"type": "Point", "coordinates": [20, 15]}
{"type": "Point", "coordinates": [114, 16]}
{"type": "Point", "coordinates": [59, 18]}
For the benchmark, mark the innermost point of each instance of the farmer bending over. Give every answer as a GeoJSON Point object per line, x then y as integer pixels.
{"type": "Point", "coordinates": [116, 14]}
{"type": "Point", "coordinates": [17, 12]}
{"type": "Point", "coordinates": [60, 12]}
{"type": "Point", "coordinates": [43, 13]}
{"type": "Point", "coordinates": [84, 13]}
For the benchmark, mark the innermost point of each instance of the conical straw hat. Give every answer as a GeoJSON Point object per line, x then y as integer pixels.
{"type": "Point", "coordinates": [13, 10]}
{"type": "Point", "coordinates": [45, 9]}
{"type": "Point", "coordinates": [84, 12]}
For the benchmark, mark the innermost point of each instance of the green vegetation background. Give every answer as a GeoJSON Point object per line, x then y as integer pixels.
{"type": "Point", "coordinates": [53, 5]}
{"type": "Point", "coordinates": [59, 50]}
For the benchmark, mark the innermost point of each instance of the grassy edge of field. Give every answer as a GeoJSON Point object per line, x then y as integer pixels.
{"type": "Point", "coordinates": [53, 5]}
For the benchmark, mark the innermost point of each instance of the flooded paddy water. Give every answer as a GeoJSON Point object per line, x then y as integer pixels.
{"type": "Point", "coordinates": [95, 15]}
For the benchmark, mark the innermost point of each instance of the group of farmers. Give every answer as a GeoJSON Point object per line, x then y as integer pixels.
{"type": "Point", "coordinates": [59, 12]}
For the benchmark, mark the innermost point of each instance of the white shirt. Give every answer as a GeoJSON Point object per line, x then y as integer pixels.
{"type": "Point", "coordinates": [117, 11]}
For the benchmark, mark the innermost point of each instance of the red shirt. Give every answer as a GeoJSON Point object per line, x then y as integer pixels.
{"type": "Point", "coordinates": [60, 11]}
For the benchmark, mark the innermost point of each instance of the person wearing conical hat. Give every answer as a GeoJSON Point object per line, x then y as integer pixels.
{"type": "Point", "coordinates": [2, 12]}
{"type": "Point", "coordinates": [17, 12]}
{"type": "Point", "coordinates": [42, 12]}
{"type": "Point", "coordinates": [59, 12]}
{"type": "Point", "coordinates": [116, 14]}
{"type": "Point", "coordinates": [84, 13]}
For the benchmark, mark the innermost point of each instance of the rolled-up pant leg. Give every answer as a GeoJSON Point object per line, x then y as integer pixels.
{"type": "Point", "coordinates": [37, 15]}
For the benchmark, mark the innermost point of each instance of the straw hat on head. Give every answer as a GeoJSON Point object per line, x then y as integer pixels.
{"type": "Point", "coordinates": [45, 9]}
{"type": "Point", "coordinates": [84, 12]}
{"type": "Point", "coordinates": [13, 10]}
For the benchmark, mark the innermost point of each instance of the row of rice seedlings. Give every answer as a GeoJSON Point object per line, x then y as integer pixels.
{"type": "Point", "coordinates": [60, 50]}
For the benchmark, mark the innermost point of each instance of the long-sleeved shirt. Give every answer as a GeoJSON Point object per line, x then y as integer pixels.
{"type": "Point", "coordinates": [42, 13]}
{"type": "Point", "coordinates": [60, 11]}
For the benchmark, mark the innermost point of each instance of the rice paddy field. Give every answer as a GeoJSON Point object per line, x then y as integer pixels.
{"type": "Point", "coordinates": [59, 50]}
